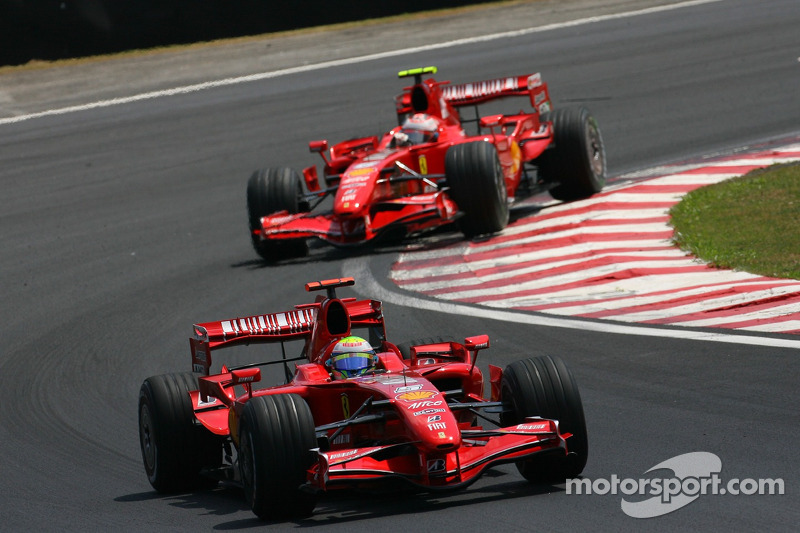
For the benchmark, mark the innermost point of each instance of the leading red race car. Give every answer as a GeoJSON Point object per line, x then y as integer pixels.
{"type": "Point", "coordinates": [354, 412]}
{"type": "Point", "coordinates": [428, 171]}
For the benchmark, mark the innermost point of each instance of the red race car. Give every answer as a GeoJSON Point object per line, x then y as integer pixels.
{"type": "Point", "coordinates": [355, 412]}
{"type": "Point", "coordinates": [428, 171]}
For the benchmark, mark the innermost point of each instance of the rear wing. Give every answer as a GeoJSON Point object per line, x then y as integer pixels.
{"type": "Point", "coordinates": [274, 327]}
{"type": "Point", "coordinates": [474, 93]}
{"type": "Point", "coordinates": [337, 317]}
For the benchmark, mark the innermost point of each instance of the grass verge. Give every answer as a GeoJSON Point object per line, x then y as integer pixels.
{"type": "Point", "coordinates": [750, 223]}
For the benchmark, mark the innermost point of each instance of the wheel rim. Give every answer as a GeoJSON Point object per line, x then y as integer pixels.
{"type": "Point", "coordinates": [147, 438]}
{"type": "Point", "coordinates": [594, 146]}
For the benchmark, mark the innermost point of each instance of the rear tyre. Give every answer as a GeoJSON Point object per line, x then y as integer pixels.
{"type": "Point", "coordinates": [276, 436]}
{"type": "Point", "coordinates": [270, 190]}
{"type": "Point", "coordinates": [478, 187]}
{"type": "Point", "coordinates": [577, 159]}
{"type": "Point", "coordinates": [174, 448]}
{"type": "Point", "coordinates": [543, 386]}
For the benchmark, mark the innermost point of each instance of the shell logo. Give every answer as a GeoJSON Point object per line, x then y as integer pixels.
{"type": "Point", "coordinates": [416, 395]}
{"type": "Point", "coordinates": [362, 171]}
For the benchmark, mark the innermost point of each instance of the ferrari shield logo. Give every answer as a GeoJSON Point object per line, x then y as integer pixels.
{"type": "Point", "coordinates": [345, 405]}
{"type": "Point", "coordinates": [423, 165]}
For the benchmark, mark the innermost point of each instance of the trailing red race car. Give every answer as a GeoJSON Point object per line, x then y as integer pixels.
{"type": "Point", "coordinates": [354, 412]}
{"type": "Point", "coordinates": [428, 171]}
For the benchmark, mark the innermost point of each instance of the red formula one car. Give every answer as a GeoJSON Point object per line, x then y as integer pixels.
{"type": "Point", "coordinates": [354, 412]}
{"type": "Point", "coordinates": [428, 171]}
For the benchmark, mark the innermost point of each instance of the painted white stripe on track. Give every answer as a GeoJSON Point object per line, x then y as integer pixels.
{"type": "Point", "coordinates": [739, 299]}
{"type": "Point", "coordinates": [691, 179]}
{"type": "Point", "coordinates": [483, 268]}
{"type": "Point", "coordinates": [411, 263]}
{"type": "Point", "coordinates": [631, 198]}
{"type": "Point", "coordinates": [607, 271]}
{"type": "Point", "coordinates": [532, 224]}
{"type": "Point", "coordinates": [633, 285]}
{"type": "Point", "coordinates": [555, 264]}
{"type": "Point", "coordinates": [622, 302]}
{"type": "Point", "coordinates": [793, 325]}
{"type": "Point", "coordinates": [768, 318]}
{"type": "Point", "coordinates": [751, 161]}
{"type": "Point", "coordinates": [655, 231]}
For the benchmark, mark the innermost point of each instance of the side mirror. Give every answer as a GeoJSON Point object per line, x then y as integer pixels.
{"type": "Point", "coordinates": [318, 146]}
{"type": "Point", "coordinates": [491, 121]}
{"type": "Point", "coordinates": [473, 345]}
{"type": "Point", "coordinates": [479, 342]}
{"type": "Point", "coordinates": [246, 377]}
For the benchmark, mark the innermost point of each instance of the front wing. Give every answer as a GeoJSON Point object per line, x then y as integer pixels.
{"type": "Point", "coordinates": [479, 451]}
{"type": "Point", "coordinates": [413, 213]}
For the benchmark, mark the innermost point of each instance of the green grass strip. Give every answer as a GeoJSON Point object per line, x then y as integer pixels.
{"type": "Point", "coordinates": [750, 223]}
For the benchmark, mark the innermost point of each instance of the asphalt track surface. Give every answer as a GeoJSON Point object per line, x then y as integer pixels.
{"type": "Point", "coordinates": [122, 225]}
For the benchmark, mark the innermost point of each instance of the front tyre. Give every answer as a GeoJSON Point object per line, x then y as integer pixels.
{"type": "Point", "coordinates": [544, 387]}
{"type": "Point", "coordinates": [478, 187]}
{"type": "Point", "coordinates": [270, 190]}
{"type": "Point", "coordinates": [577, 159]}
{"type": "Point", "coordinates": [276, 436]}
{"type": "Point", "coordinates": [174, 448]}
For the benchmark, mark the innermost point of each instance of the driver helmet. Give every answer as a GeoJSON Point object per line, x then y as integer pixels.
{"type": "Point", "coordinates": [351, 357]}
{"type": "Point", "coordinates": [419, 128]}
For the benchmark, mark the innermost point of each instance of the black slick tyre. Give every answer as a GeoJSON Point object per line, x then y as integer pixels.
{"type": "Point", "coordinates": [276, 436]}
{"type": "Point", "coordinates": [174, 447]}
{"type": "Point", "coordinates": [544, 387]}
{"type": "Point", "coordinates": [270, 190]}
{"type": "Point", "coordinates": [577, 159]}
{"type": "Point", "coordinates": [478, 187]}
